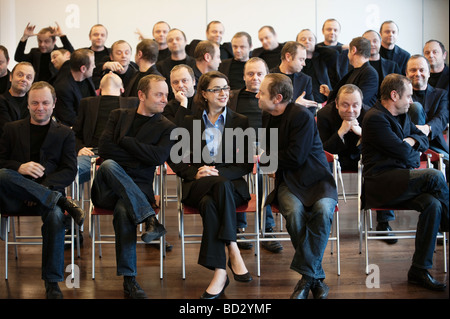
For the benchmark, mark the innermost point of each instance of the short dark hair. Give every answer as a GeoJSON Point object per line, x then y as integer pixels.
{"type": "Point", "coordinates": [362, 46]}
{"type": "Point", "coordinates": [149, 49]}
{"type": "Point", "coordinates": [291, 47]}
{"type": "Point", "coordinates": [213, 22]}
{"type": "Point", "coordinates": [243, 34]}
{"type": "Point", "coordinates": [80, 57]}
{"type": "Point", "coordinates": [438, 42]}
{"type": "Point", "coordinates": [271, 29]}
{"type": "Point", "coordinates": [386, 22]}
{"type": "Point", "coordinates": [204, 47]}
{"type": "Point", "coordinates": [393, 82]}
{"type": "Point", "coordinates": [98, 25]}
{"type": "Point", "coordinates": [331, 20]}
{"type": "Point", "coordinates": [144, 83]}
{"type": "Point", "coordinates": [280, 84]}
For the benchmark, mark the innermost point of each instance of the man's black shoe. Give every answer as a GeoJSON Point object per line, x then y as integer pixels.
{"type": "Point", "coordinates": [384, 226]}
{"type": "Point", "coordinates": [73, 210]}
{"type": "Point", "coordinates": [153, 229]}
{"type": "Point", "coordinates": [302, 288]}
{"type": "Point", "coordinates": [320, 289]}
{"type": "Point", "coordinates": [273, 246]}
{"type": "Point", "coordinates": [423, 278]}
{"type": "Point", "coordinates": [52, 290]}
{"type": "Point", "coordinates": [132, 289]}
{"type": "Point", "coordinates": [243, 244]}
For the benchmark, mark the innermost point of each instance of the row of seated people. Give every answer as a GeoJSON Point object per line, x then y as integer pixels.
{"type": "Point", "coordinates": [135, 140]}
{"type": "Point", "coordinates": [123, 143]}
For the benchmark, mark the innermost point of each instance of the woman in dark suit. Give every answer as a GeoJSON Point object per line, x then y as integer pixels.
{"type": "Point", "coordinates": [213, 185]}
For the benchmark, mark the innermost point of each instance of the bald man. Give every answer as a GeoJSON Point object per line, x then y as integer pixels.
{"type": "Point", "coordinates": [92, 117]}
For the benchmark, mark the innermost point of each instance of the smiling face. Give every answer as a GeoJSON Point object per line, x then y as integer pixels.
{"type": "Point", "coordinates": [155, 100]}
{"type": "Point", "coordinates": [418, 72]}
{"type": "Point", "coordinates": [349, 105]}
{"type": "Point", "coordinates": [21, 79]}
{"type": "Point", "coordinates": [40, 105]}
{"type": "Point", "coordinates": [217, 100]}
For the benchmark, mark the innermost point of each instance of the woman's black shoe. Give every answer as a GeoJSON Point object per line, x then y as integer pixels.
{"type": "Point", "coordinates": [207, 295]}
{"type": "Point", "coordinates": [242, 278]}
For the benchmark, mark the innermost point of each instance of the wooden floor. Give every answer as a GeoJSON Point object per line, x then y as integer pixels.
{"type": "Point", "coordinates": [277, 281]}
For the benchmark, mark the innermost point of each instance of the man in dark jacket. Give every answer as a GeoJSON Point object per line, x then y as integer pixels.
{"type": "Point", "coordinates": [304, 185]}
{"type": "Point", "coordinates": [133, 143]}
{"type": "Point", "coordinates": [38, 161]}
{"type": "Point", "coordinates": [391, 146]}
{"type": "Point", "coordinates": [40, 57]}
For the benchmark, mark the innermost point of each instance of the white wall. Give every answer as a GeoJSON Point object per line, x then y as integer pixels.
{"type": "Point", "coordinates": [418, 20]}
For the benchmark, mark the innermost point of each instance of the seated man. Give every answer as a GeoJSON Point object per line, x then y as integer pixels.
{"type": "Point", "coordinates": [340, 131]}
{"type": "Point", "coordinates": [430, 108]}
{"type": "Point", "coordinates": [182, 81]}
{"type": "Point", "coordinates": [92, 117]}
{"type": "Point", "coordinates": [145, 58]}
{"type": "Point", "coordinates": [293, 56]}
{"type": "Point", "coordinates": [133, 143]}
{"type": "Point", "coordinates": [14, 102]}
{"type": "Point", "coordinates": [34, 177]}
{"type": "Point", "coordinates": [305, 189]}
{"type": "Point", "coordinates": [391, 146]}
{"type": "Point", "coordinates": [363, 75]}
{"type": "Point", "coordinates": [76, 85]}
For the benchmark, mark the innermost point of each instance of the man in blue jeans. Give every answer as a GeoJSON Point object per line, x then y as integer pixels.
{"type": "Point", "coordinates": [305, 190]}
{"type": "Point", "coordinates": [38, 161]}
{"type": "Point", "coordinates": [391, 146]}
{"type": "Point", "coordinates": [133, 143]}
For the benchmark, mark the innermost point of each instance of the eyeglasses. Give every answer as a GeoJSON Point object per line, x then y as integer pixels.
{"type": "Point", "coordinates": [217, 90]}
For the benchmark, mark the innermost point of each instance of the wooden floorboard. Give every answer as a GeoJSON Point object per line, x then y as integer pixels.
{"type": "Point", "coordinates": [277, 281]}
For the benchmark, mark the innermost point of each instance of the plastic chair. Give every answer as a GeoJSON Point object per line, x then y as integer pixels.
{"type": "Point", "coordinates": [365, 221]}
{"type": "Point", "coordinates": [250, 207]}
{"type": "Point", "coordinates": [98, 238]}
{"type": "Point", "coordinates": [19, 240]}
{"type": "Point", "coordinates": [284, 235]}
